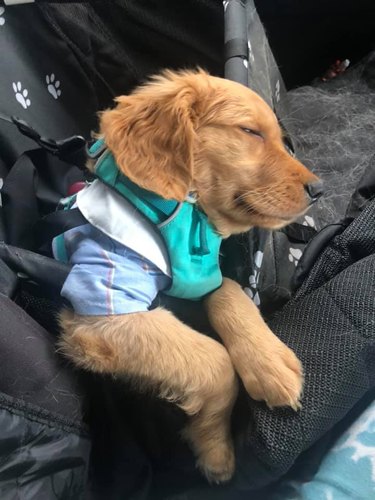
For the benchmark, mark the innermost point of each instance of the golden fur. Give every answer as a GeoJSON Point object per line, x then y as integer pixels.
{"type": "Point", "coordinates": [186, 132]}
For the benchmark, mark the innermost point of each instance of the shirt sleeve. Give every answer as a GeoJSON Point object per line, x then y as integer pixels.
{"type": "Point", "coordinates": [108, 278]}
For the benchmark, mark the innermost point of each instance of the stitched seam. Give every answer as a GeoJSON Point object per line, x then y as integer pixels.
{"type": "Point", "coordinates": [40, 415]}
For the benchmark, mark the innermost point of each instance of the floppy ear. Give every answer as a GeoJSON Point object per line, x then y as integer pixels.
{"type": "Point", "coordinates": [151, 135]}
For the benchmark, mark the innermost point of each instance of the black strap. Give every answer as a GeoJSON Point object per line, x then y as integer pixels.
{"type": "Point", "coordinates": [72, 149]}
{"type": "Point", "coordinates": [39, 268]}
{"type": "Point", "coordinates": [313, 250]}
{"type": "Point", "coordinates": [57, 223]}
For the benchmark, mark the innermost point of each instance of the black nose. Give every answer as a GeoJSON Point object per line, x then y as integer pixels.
{"type": "Point", "coordinates": [314, 190]}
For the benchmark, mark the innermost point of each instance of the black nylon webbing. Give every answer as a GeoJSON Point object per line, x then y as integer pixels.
{"type": "Point", "coordinates": [57, 223]}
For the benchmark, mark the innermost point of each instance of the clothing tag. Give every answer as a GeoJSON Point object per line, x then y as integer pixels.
{"type": "Point", "coordinates": [191, 197]}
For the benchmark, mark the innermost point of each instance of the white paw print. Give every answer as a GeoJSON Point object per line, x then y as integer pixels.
{"type": "Point", "coordinates": [225, 4]}
{"type": "Point", "coordinates": [277, 91]}
{"type": "Point", "coordinates": [294, 255]}
{"type": "Point", "coordinates": [245, 63]}
{"type": "Point", "coordinates": [309, 221]}
{"type": "Point", "coordinates": [252, 292]}
{"type": "Point", "coordinates": [2, 18]}
{"type": "Point", "coordinates": [53, 86]}
{"type": "Point", "coordinates": [21, 95]}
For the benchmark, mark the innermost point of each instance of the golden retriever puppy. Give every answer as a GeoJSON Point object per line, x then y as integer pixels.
{"type": "Point", "coordinates": [182, 133]}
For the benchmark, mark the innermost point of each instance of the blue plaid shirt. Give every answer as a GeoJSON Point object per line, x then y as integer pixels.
{"type": "Point", "coordinates": [107, 277]}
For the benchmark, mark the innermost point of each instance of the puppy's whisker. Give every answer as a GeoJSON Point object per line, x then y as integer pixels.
{"type": "Point", "coordinates": [261, 191]}
{"type": "Point", "coordinates": [259, 198]}
{"type": "Point", "coordinates": [260, 195]}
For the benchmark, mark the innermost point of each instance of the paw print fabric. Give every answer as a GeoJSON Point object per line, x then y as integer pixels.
{"type": "Point", "coordinates": [21, 95]}
{"type": "Point", "coordinates": [53, 86]}
{"type": "Point", "coordinates": [39, 81]}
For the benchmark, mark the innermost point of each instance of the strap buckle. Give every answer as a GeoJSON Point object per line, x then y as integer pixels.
{"type": "Point", "coordinates": [57, 147]}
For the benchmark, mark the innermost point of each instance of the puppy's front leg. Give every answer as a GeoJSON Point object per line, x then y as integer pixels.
{"type": "Point", "coordinates": [159, 351]}
{"type": "Point", "coordinates": [269, 370]}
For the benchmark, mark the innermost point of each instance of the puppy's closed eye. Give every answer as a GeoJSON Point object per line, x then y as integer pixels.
{"type": "Point", "coordinates": [251, 131]}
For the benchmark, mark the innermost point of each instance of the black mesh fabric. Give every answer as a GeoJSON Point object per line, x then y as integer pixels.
{"type": "Point", "coordinates": [330, 325]}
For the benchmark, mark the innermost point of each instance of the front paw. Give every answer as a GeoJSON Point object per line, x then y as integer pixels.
{"type": "Point", "coordinates": [272, 373]}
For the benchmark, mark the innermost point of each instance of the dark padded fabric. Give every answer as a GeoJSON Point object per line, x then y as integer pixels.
{"type": "Point", "coordinates": [27, 470]}
{"type": "Point", "coordinates": [30, 369]}
{"type": "Point", "coordinates": [44, 444]}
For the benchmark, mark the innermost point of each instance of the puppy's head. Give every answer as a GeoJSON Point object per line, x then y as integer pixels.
{"type": "Point", "coordinates": [190, 131]}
